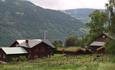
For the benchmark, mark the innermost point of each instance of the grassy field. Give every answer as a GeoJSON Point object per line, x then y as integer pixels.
{"type": "Point", "coordinates": [60, 62]}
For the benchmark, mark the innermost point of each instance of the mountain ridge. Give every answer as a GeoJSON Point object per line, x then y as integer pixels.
{"type": "Point", "coordinates": [81, 13]}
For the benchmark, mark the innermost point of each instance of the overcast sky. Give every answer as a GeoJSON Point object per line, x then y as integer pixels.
{"type": "Point", "coordinates": [70, 4]}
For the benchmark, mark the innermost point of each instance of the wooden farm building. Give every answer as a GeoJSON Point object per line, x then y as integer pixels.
{"type": "Point", "coordinates": [97, 45]}
{"type": "Point", "coordinates": [73, 51]}
{"type": "Point", "coordinates": [10, 53]}
{"type": "Point", "coordinates": [36, 48]}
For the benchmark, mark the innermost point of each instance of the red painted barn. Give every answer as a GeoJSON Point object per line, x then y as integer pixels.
{"type": "Point", "coordinates": [36, 47]}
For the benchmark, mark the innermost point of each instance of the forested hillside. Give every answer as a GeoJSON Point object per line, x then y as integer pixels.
{"type": "Point", "coordinates": [22, 19]}
{"type": "Point", "coordinates": [81, 14]}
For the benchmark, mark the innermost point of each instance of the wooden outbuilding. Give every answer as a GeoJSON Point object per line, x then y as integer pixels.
{"type": "Point", "coordinates": [97, 45]}
{"type": "Point", "coordinates": [10, 53]}
{"type": "Point", "coordinates": [74, 51]}
{"type": "Point", "coordinates": [36, 48]}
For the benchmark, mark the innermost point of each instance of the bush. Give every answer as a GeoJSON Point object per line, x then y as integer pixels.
{"type": "Point", "coordinates": [90, 37]}
{"type": "Point", "coordinates": [18, 59]}
{"type": "Point", "coordinates": [111, 47]}
{"type": "Point", "coordinates": [72, 40]}
{"type": "Point", "coordinates": [22, 58]}
{"type": "Point", "coordinates": [58, 44]}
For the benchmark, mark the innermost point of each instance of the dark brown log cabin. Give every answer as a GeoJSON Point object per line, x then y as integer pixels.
{"type": "Point", "coordinates": [36, 48]}
{"type": "Point", "coordinates": [99, 42]}
{"type": "Point", "coordinates": [10, 53]}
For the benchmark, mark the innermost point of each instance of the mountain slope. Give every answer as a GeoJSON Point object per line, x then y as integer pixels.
{"type": "Point", "coordinates": [21, 19]}
{"type": "Point", "coordinates": [81, 14]}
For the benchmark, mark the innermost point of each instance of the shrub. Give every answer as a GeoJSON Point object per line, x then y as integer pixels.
{"type": "Point", "coordinates": [111, 47]}
{"type": "Point", "coordinates": [22, 58]}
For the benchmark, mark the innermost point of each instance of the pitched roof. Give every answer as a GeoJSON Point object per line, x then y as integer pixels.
{"type": "Point", "coordinates": [33, 42]}
{"type": "Point", "coordinates": [48, 43]}
{"type": "Point", "coordinates": [14, 50]}
{"type": "Point", "coordinates": [111, 36]}
{"type": "Point", "coordinates": [96, 43]}
{"type": "Point", "coordinates": [20, 41]}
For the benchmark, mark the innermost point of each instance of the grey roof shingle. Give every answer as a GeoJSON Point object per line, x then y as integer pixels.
{"type": "Point", "coordinates": [33, 42]}
{"type": "Point", "coordinates": [96, 43]}
{"type": "Point", "coordinates": [14, 50]}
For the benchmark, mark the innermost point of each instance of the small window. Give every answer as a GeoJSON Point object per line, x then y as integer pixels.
{"type": "Point", "coordinates": [103, 36]}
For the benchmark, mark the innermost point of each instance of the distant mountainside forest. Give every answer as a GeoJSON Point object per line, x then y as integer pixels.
{"type": "Point", "coordinates": [20, 19]}
{"type": "Point", "coordinates": [81, 13]}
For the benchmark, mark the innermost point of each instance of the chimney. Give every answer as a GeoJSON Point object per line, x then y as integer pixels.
{"type": "Point", "coordinates": [45, 35]}
{"type": "Point", "coordinates": [27, 42]}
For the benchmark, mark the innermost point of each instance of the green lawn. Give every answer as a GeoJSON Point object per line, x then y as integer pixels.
{"type": "Point", "coordinates": [60, 62]}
